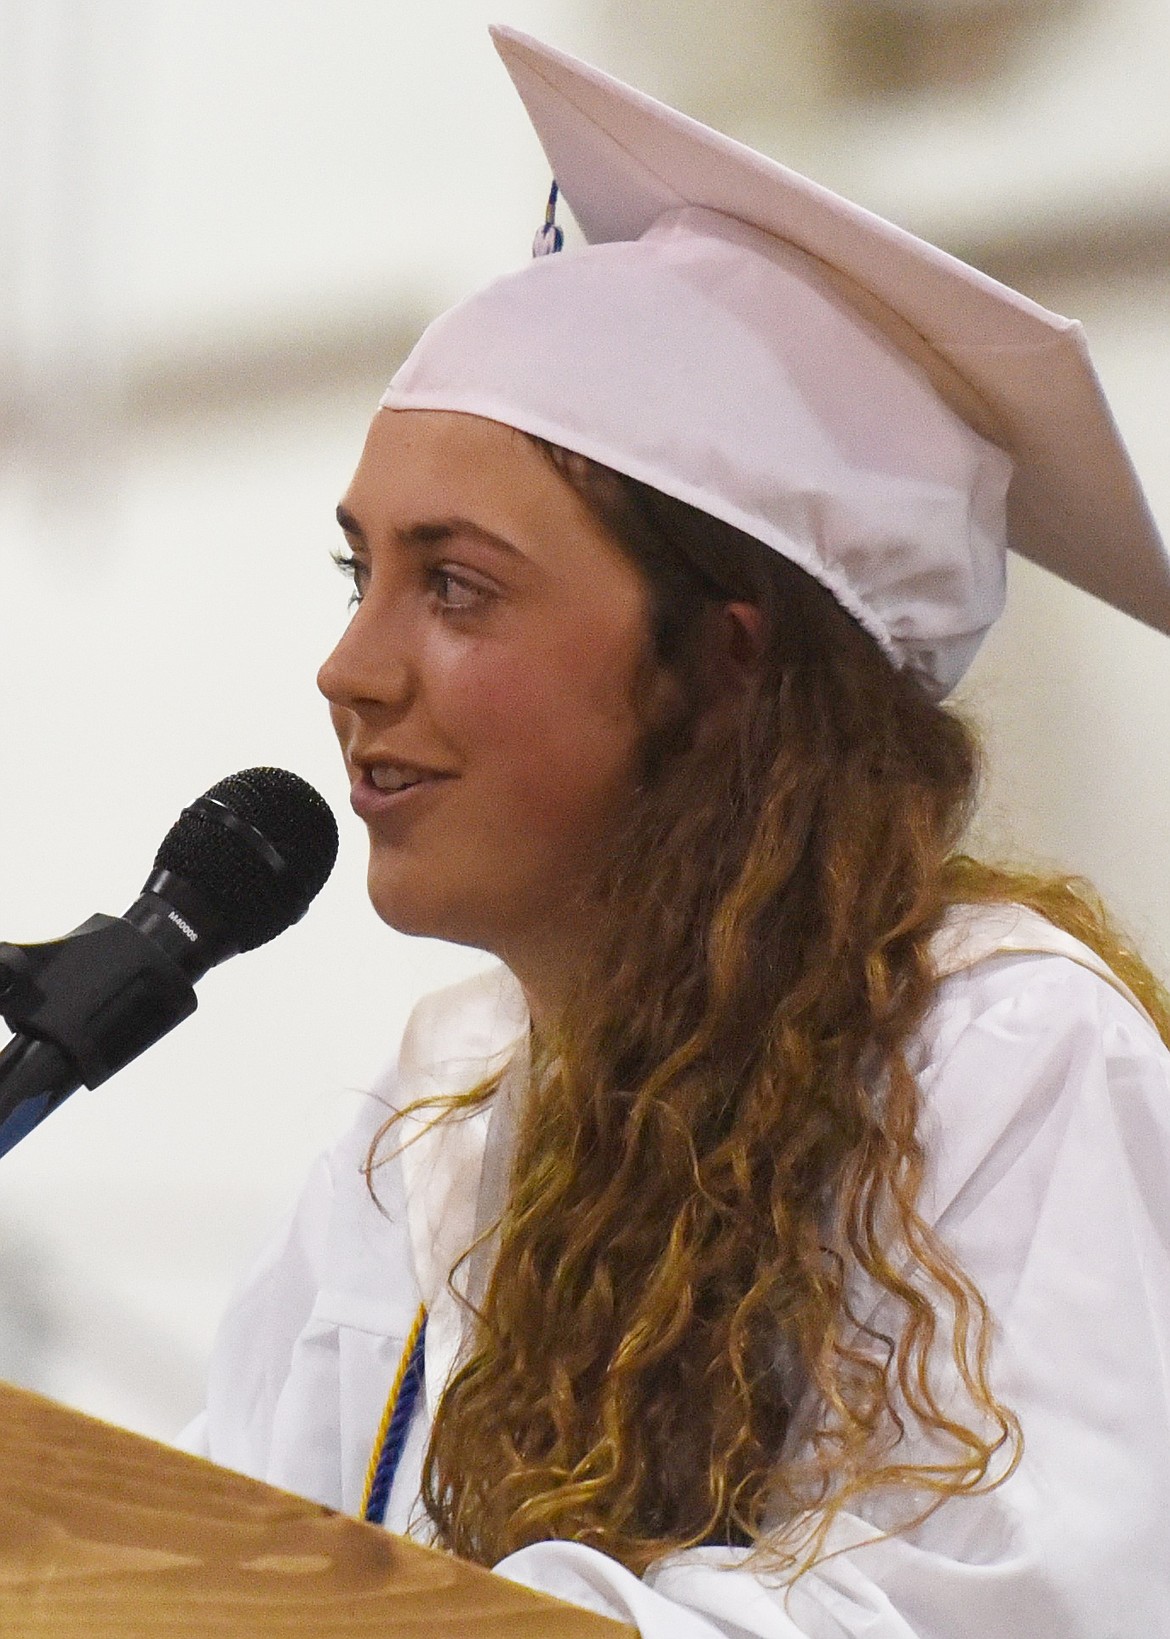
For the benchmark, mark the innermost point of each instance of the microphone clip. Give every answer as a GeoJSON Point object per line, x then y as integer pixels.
{"type": "Point", "coordinates": [101, 994]}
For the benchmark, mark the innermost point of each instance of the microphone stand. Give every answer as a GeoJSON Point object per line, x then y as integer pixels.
{"type": "Point", "coordinates": [35, 1076]}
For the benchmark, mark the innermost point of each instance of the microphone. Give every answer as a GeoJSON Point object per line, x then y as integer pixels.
{"type": "Point", "coordinates": [238, 866]}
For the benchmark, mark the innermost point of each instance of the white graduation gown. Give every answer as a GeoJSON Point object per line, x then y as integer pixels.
{"type": "Point", "coordinates": [1047, 1120]}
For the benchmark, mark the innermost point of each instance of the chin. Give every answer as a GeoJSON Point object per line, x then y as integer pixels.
{"type": "Point", "coordinates": [424, 915]}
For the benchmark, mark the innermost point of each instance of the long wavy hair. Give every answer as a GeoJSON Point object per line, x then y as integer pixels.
{"type": "Point", "coordinates": [719, 1147]}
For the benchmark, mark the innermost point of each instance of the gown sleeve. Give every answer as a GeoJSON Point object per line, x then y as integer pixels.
{"type": "Point", "coordinates": [307, 1348]}
{"type": "Point", "coordinates": [1046, 1114]}
{"type": "Point", "coordinates": [273, 1304]}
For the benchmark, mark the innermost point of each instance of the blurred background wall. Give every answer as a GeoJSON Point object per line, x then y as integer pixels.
{"type": "Point", "coordinates": [220, 227]}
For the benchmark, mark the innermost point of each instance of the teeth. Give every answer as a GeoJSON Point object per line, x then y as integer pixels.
{"type": "Point", "coordinates": [393, 779]}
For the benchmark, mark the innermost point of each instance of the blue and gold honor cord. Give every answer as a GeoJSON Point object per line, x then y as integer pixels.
{"type": "Point", "coordinates": [395, 1424]}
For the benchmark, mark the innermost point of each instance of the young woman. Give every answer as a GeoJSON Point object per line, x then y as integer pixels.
{"type": "Point", "coordinates": [778, 1241]}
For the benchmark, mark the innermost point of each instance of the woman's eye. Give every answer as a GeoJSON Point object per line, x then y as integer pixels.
{"type": "Point", "coordinates": [453, 592]}
{"type": "Point", "coordinates": [355, 570]}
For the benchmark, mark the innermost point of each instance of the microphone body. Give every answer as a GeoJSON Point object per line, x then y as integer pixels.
{"type": "Point", "coordinates": [85, 1005]}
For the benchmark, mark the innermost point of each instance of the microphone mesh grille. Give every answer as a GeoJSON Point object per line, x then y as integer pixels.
{"type": "Point", "coordinates": [256, 900]}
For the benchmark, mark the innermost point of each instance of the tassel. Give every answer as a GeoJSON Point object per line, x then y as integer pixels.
{"type": "Point", "coordinates": [549, 238]}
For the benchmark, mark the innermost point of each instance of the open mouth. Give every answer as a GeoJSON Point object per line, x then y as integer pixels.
{"type": "Point", "coordinates": [389, 779]}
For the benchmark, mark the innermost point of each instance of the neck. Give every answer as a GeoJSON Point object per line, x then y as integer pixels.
{"type": "Point", "coordinates": [543, 966]}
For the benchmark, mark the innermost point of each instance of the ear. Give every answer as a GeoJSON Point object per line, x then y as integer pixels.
{"type": "Point", "coordinates": [745, 636]}
{"type": "Point", "coordinates": [735, 643]}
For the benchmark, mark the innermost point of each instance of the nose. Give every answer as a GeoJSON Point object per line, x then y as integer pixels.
{"type": "Point", "coordinates": [370, 668]}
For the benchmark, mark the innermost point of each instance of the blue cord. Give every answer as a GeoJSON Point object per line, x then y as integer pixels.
{"type": "Point", "coordinates": [395, 1442]}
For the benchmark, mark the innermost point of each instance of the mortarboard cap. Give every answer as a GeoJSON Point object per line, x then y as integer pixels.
{"type": "Point", "coordinates": [747, 341]}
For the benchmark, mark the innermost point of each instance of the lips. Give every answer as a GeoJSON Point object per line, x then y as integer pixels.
{"type": "Point", "coordinates": [382, 787]}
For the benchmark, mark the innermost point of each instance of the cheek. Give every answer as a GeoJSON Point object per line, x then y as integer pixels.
{"type": "Point", "coordinates": [556, 734]}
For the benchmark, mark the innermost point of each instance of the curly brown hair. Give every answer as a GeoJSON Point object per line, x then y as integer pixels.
{"type": "Point", "coordinates": [721, 1141]}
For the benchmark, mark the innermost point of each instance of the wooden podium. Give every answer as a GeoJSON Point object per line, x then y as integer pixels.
{"type": "Point", "coordinates": [106, 1535]}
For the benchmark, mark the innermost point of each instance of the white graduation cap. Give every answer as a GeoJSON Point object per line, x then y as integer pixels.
{"type": "Point", "coordinates": [735, 335]}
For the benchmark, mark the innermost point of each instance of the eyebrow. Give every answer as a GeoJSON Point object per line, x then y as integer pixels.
{"type": "Point", "coordinates": [431, 533]}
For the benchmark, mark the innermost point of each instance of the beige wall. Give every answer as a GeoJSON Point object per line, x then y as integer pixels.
{"type": "Point", "coordinates": [1075, 698]}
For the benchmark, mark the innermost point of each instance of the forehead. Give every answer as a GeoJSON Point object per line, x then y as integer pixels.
{"type": "Point", "coordinates": [422, 463]}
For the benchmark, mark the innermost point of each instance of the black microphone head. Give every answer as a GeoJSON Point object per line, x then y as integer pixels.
{"type": "Point", "coordinates": [259, 846]}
